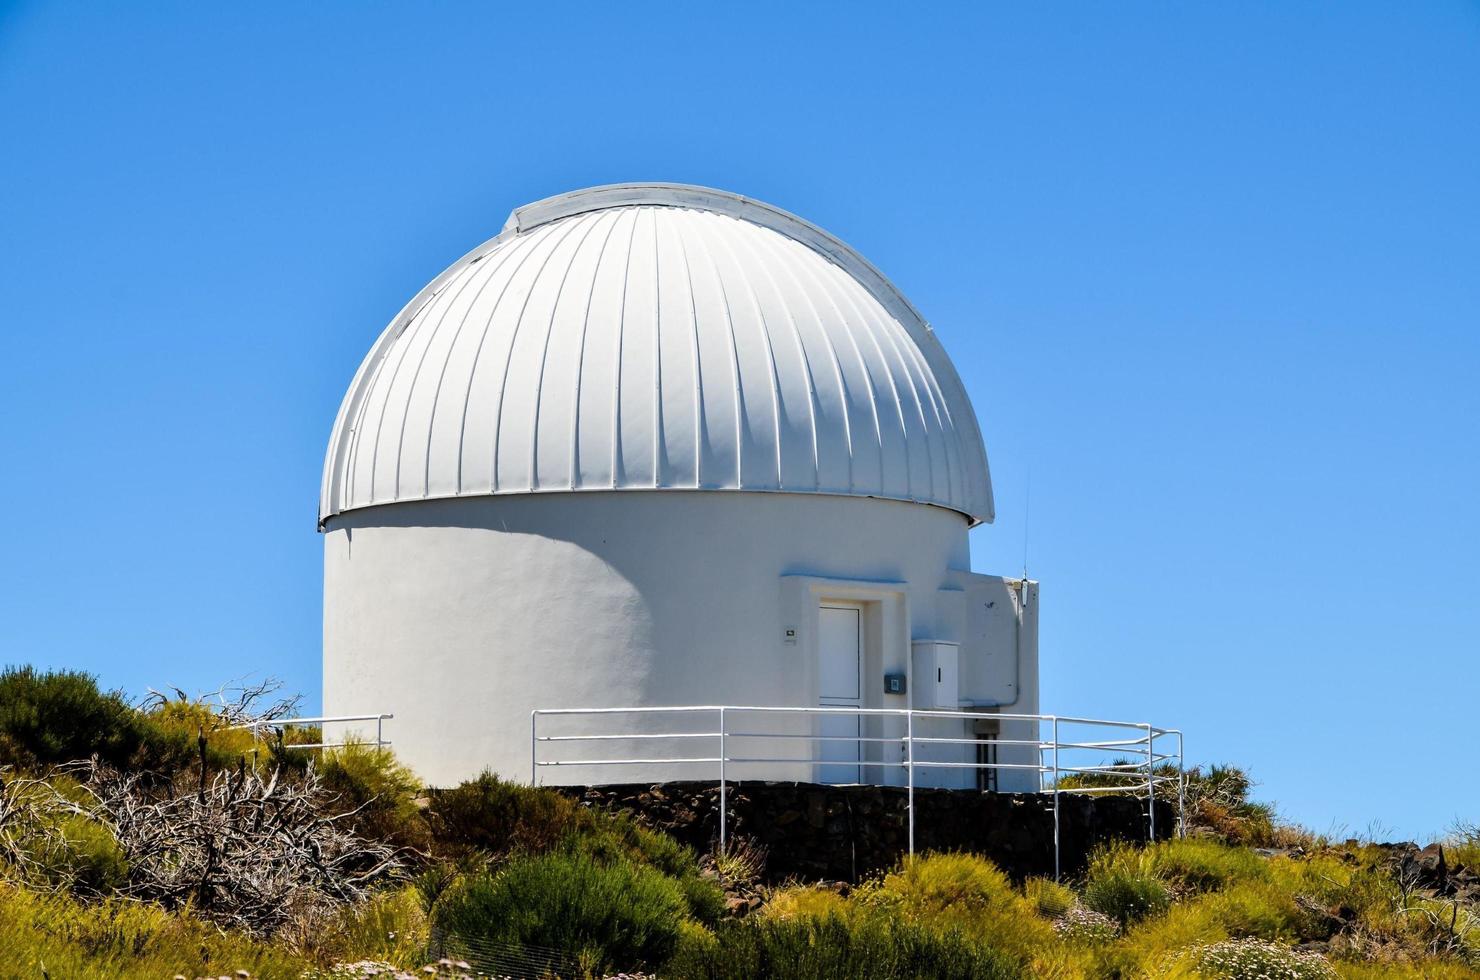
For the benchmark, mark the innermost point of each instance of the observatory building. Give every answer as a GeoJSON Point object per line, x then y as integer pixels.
{"type": "Point", "coordinates": [657, 445]}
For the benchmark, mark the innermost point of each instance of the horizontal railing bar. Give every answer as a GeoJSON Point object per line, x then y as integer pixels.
{"type": "Point", "coordinates": [1108, 744]}
{"type": "Point", "coordinates": [1133, 777]}
{"type": "Point", "coordinates": [814, 760]}
{"type": "Point", "coordinates": [817, 738]}
{"type": "Point", "coordinates": [919, 713]}
{"type": "Point", "coordinates": [980, 765]}
{"type": "Point", "coordinates": [624, 762]}
{"type": "Point", "coordinates": [807, 761]}
{"type": "Point", "coordinates": [746, 760]}
{"type": "Point", "coordinates": [727, 734]}
{"type": "Point", "coordinates": [333, 745]}
{"type": "Point", "coordinates": [605, 738]}
{"type": "Point", "coordinates": [1132, 764]}
{"type": "Point", "coordinates": [973, 741]}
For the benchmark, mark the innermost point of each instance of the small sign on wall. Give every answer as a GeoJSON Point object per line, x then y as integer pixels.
{"type": "Point", "coordinates": [789, 636]}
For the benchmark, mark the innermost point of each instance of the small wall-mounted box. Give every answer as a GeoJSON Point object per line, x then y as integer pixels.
{"type": "Point", "coordinates": [894, 684]}
{"type": "Point", "coordinates": [936, 666]}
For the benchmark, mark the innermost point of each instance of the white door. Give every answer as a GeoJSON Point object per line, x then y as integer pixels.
{"type": "Point", "coordinates": [840, 684]}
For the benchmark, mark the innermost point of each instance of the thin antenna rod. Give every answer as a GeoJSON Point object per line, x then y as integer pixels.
{"type": "Point", "coordinates": [1027, 501]}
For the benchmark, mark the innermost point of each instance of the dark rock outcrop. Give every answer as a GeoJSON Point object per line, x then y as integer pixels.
{"type": "Point", "coordinates": [843, 833]}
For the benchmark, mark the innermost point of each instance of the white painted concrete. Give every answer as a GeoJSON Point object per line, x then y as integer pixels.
{"type": "Point", "coordinates": [460, 616]}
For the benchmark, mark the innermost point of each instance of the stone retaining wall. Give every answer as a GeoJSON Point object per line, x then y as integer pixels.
{"type": "Point", "coordinates": [843, 833]}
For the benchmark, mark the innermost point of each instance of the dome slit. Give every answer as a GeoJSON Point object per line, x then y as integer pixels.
{"type": "Point", "coordinates": [741, 414]}
{"type": "Point", "coordinates": [776, 245]}
{"type": "Point", "coordinates": [825, 285]}
{"type": "Point", "coordinates": [530, 249]}
{"type": "Point", "coordinates": [488, 274]}
{"type": "Point", "coordinates": [888, 370]}
{"type": "Point", "coordinates": [700, 421]}
{"type": "Point", "coordinates": [617, 468]}
{"type": "Point", "coordinates": [405, 340]}
{"type": "Point", "coordinates": [368, 388]}
{"type": "Point", "coordinates": [902, 361]}
{"type": "Point", "coordinates": [944, 425]}
{"type": "Point", "coordinates": [765, 335]}
{"type": "Point", "coordinates": [503, 390]}
{"type": "Point", "coordinates": [580, 359]}
{"type": "Point", "coordinates": [539, 387]}
{"type": "Point", "coordinates": [801, 354]}
{"type": "Point", "coordinates": [452, 295]}
{"type": "Point", "coordinates": [660, 444]}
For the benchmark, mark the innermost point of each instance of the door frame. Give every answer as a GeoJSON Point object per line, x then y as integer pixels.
{"type": "Point", "coordinates": [886, 629]}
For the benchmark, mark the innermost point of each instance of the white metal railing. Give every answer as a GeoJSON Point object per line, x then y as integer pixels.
{"type": "Point", "coordinates": [380, 742]}
{"type": "Point", "coordinates": [1061, 751]}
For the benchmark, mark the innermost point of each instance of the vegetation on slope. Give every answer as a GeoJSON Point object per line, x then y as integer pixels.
{"type": "Point", "coordinates": [509, 879]}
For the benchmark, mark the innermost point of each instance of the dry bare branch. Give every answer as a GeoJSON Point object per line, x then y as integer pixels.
{"type": "Point", "coordinates": [245, 849]}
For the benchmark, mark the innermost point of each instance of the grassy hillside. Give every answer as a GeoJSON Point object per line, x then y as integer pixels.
{"type": "Point", "coordinates": [157, 840]}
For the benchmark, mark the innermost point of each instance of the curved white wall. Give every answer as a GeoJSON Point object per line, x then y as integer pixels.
{"type": "Point", "coordinates": [459, 616]}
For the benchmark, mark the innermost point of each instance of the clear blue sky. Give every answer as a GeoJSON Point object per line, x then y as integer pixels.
{"type": "Point", "coordinates": [1211, 273]}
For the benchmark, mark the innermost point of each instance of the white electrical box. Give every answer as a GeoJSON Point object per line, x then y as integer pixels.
{"type": "Point", "coordinates": [998, 642]}
{"type": "Point", "coordinates": [937, 670]}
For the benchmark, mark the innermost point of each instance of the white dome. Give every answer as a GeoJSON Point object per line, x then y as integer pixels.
{"type": "Point", "coordinates": [657, 336]}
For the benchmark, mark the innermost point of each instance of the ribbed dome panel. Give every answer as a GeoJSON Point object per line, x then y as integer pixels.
{"type": "Point", "coordinates": [694, 340]}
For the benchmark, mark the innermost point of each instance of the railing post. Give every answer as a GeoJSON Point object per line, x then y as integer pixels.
{"type": "Point", "coordinates": [534, 717]}
{"type": "Point", "coordinates": [909, 746]}
{"type": "Point", "coordinates": [1056, 861]}
{"type": "Point", "coordinates": [722, 810]}
{"type": "Point", "coordinates": [379, 731]}
{"type": "Point", "coordinates": [1151, 782]}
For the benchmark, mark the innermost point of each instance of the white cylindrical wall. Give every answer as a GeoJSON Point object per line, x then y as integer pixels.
{"type": "Point", "coordinates": [460, 616]}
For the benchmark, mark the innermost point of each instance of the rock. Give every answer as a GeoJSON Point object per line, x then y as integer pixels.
{"type": "Point", "coordinates": [848, 832]}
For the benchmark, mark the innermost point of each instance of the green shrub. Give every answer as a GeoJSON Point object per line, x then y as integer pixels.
{"type": "Point", "coordinates": [494, 817]}
{"type": "Point", "coordinates": [1463, 846]}
{"type": "Point", "coordinates": [62, 716]}
{"type": "Point", "coordinates": [960, 893]}
{"type": "Point", "coordinates": [1199, 865]}
{"type": "Point", "coordinates": [113, 939]}
{"type": "Point", "coordinates": [803, 901]}
{"type": "Point", "coordinates": [490, 818]}
{"type": "Point", "coordinates": [174, 727]}
{"type": "Point", "coordinates": [933, 882]}
{"type": "Point", "coordinates": [1122, 885]}
{"type": "Point", "coordinates": [90, 860]}
{"type": "Point", "coordinates": [704, 897]}
{"type": "Point", "coordinates": [615, 915]}
{"type": "Point", "coordinates": [1050, 898]}
{"type": "Point", "coordinates": [617, 835]}
{"type": "Point", "coordinates": [389, 927]}
{"type": "Point", "coordinates": [652, 847]}
{"type": "Point", "coordinates": [381, 792]}
{"type": "Point", "coordinates": [1126, 897]}
{"type": "Point", "coordinates": [828, 948]}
